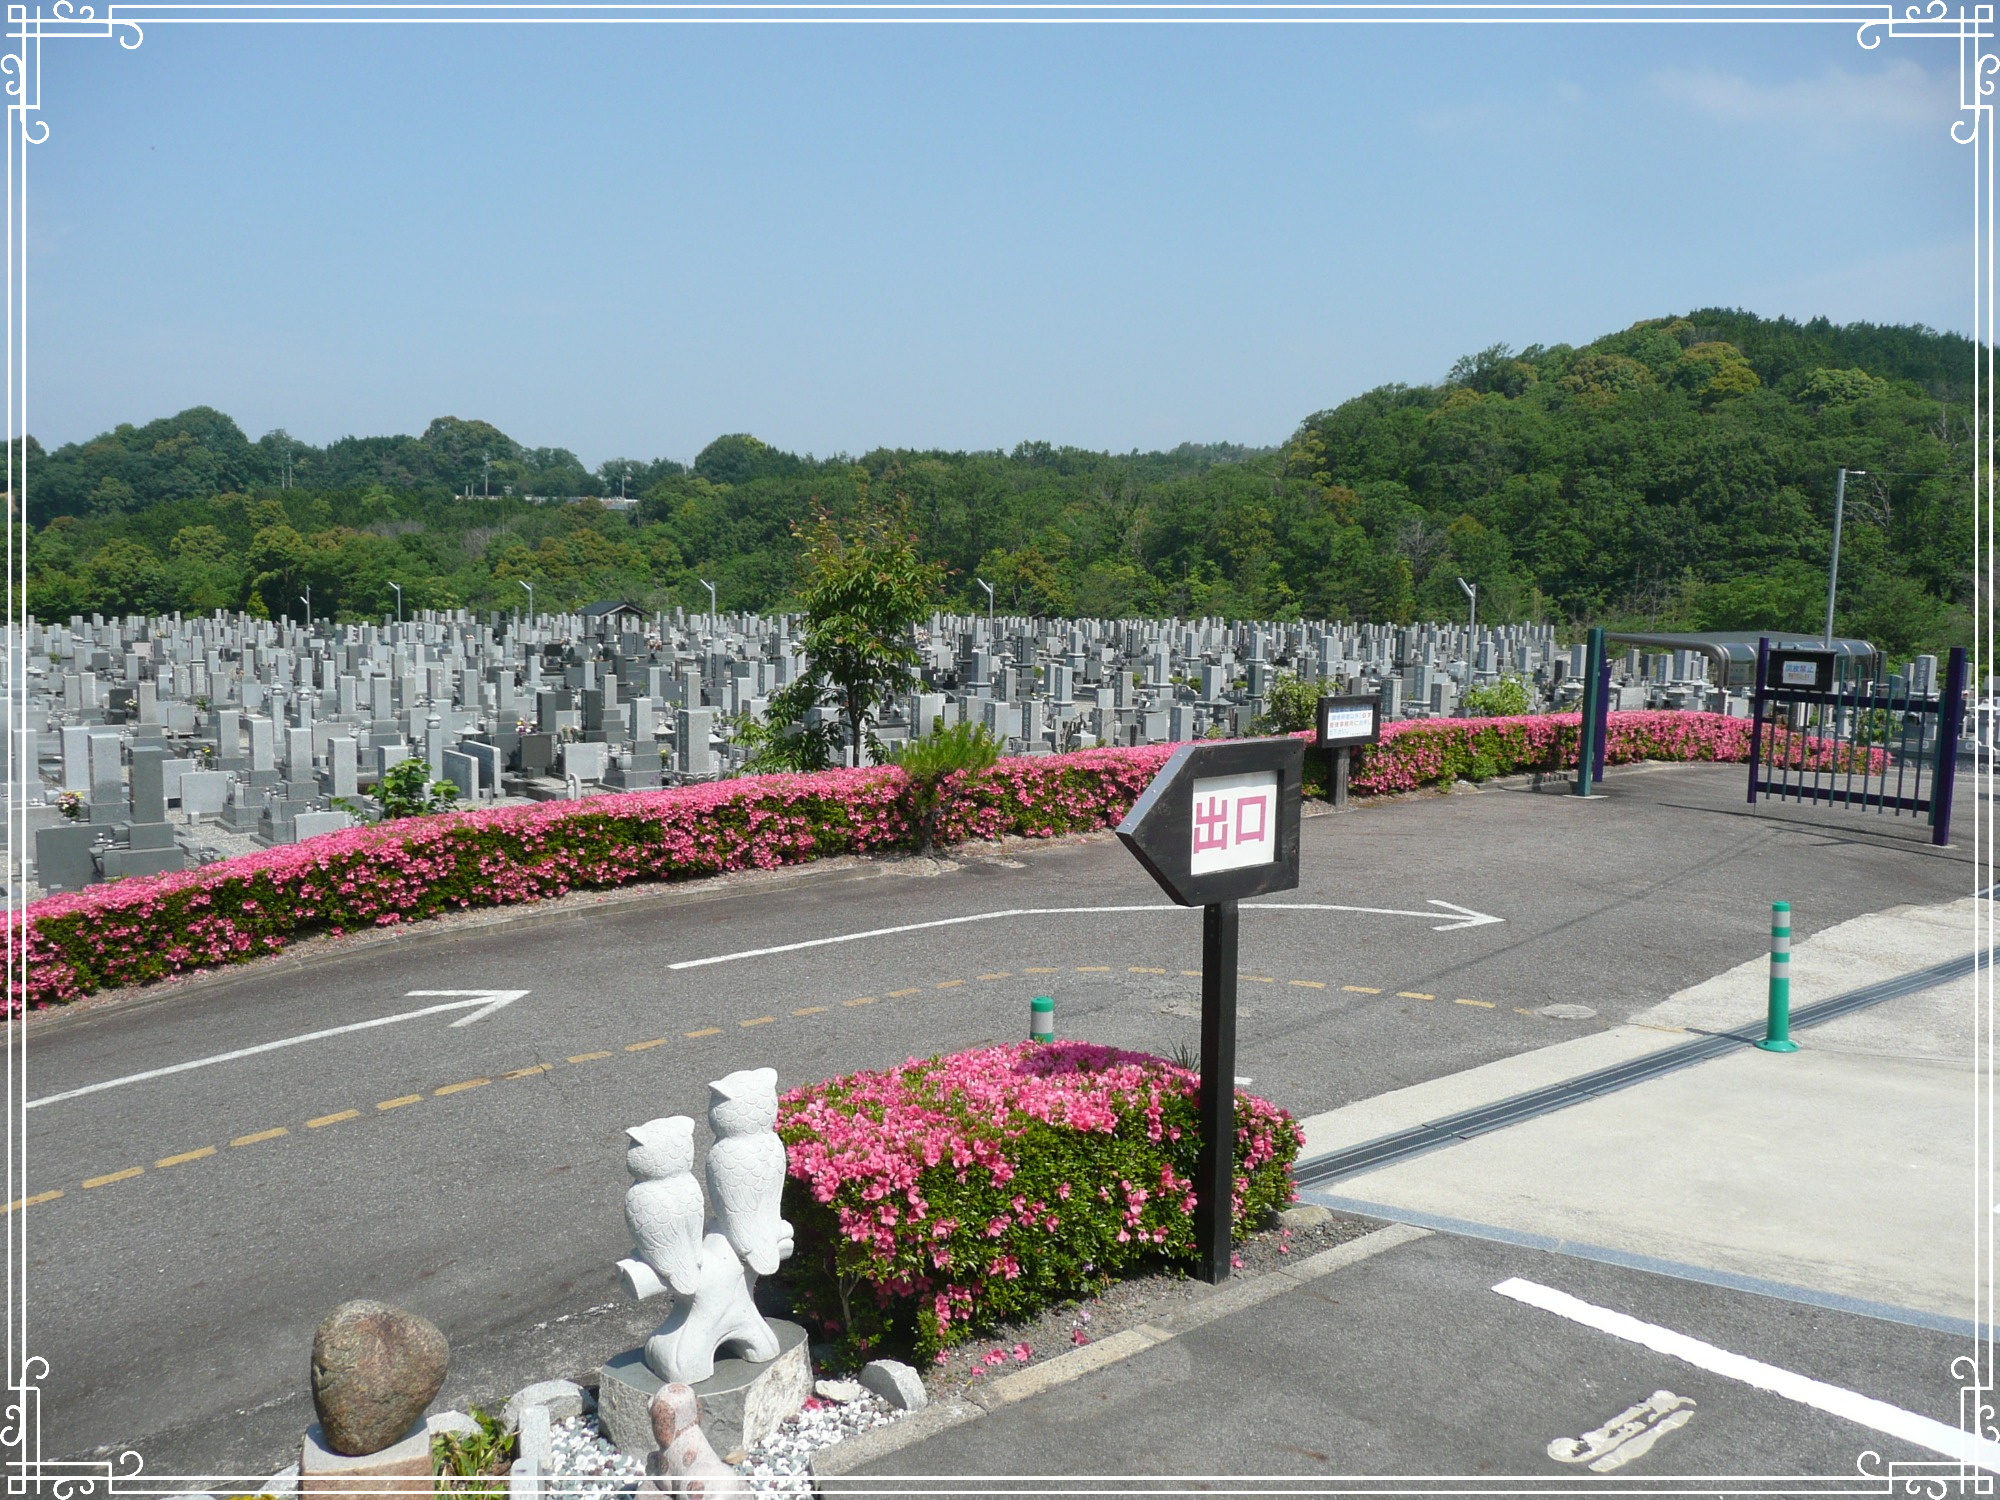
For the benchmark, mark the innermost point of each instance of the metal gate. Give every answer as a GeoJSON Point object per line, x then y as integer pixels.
{"type": "Point", "coordinates": [1819, 732]}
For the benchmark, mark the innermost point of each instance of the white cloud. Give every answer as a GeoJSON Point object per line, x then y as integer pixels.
{"type": "Point", "coordinates": [1898, 96]}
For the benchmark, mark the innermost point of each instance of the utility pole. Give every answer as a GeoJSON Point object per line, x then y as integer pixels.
{"type": "Point", "coordinates": [487, 459]}
{"type": "Point", "coordinates": [1833, 564]}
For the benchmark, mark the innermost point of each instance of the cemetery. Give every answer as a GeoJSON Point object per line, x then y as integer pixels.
{"type": "Point", "coordinates": [163, 744]}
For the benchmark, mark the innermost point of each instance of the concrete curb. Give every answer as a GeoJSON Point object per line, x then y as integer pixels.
{"type": "Point", "coordinates": [879, 1442]}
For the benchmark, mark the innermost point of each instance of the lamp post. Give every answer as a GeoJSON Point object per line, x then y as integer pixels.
{"type": "Point", "coordinates": [711, 600]}
{"type": "Point", "coordinates": [1472, 614]}
{"type": "Point", "coordinates": [989, 608]}
{"type": "Point", "coordinates": [307, 600]}
{"type": "Point", "coordinates": [1833, 564]}
{"type": "Point", "coordinates": [531, 598]}
{"type": "Point", "coordinates": [399, 601]}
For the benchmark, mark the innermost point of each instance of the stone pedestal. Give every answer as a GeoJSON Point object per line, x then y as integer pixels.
{"type": "Point", "coordinates": [741, 1403]}
{"type": "Point", "coordinates": [324, 1472]}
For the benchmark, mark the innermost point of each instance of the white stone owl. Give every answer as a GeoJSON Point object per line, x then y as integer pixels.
{"type": "Point", "coordinates": [746, 1168]}
{"type": "Point", "coordinates": [663, 1208]}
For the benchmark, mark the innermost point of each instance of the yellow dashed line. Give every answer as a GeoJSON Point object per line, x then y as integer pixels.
{"type": "Point", "coordinates": [1007, 974]}
{"type": "Point", "coordinates": [1258, 978]}
{"type": "Point", "coordinates": [758, 1021]}
{"type": "Point", "coordinates": [810, 1010]}
{"type": "Point", "coordinates": [1520, 1012]}
{"type": "Point", "coordinates": [1359, 989]}
{"type": "Point", "coordinates": [48, 1197]}
{"type": "Point", "coordinates": [1190, 973]}
{"type": "Point", "coordinates": [950, 984]}
{"type": "Point", "coordinates": [658, 1041]}
{"type": "Point", "coordinates": [399, 1103]}
{"type": "Point", "coordinates": [864, 1000]}
{"type": "Point", "coordinates": [1487, 1004]}
{"type": "Point", "coordinates": [1413, 995]}
{"type": "Point", "coordinates": [584, 1057]}
{"type": "Point", "coordinates": [459, 1088]}
{"type": "Point", "coordinates": [898, 994]}
{"type": "Point", "coordinates": [1038, 971]}
{"type": "Point", "coordinates": [185, 1156]}
{"type": "Point", "coordinates": [1136, 969]}
{"type": "Point", "coordinates": [1093, 968]}
{"type": "Point", "coordinates": [98, 1182]}
{"type": "Point", "coordinates": [525, 1072]}
{"type": "Point", "coordinates": [1304, 984]}
{"type": "Point", "coordinates": [262, 1135]}
{"type": "Point", "coordinates": [345, 1114]}
{"type": "Point", "coordinates": [705, 1031]}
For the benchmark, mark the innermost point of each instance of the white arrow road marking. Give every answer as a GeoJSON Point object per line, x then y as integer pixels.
{"type": "Point", "coordinates": [488, 1001]}
{"type": "Point", "coordinates": [497, 1000]}
{"type": "Point", "coordinates": [1465, 918]}
{"type": "Point", "coordinates": [1865, 1411]}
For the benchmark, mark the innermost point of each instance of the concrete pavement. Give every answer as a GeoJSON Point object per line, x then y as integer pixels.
{"type": "Point", "coordinates": [1819, 1212]}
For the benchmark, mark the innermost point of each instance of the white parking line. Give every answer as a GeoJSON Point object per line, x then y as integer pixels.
{"type": "Point", "coordinates": [1964, 1447]}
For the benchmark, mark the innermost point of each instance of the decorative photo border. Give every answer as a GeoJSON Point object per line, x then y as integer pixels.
{"type": "Point", "coordinates": [1971, 27]}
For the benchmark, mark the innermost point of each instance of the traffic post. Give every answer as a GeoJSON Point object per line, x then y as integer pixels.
{"type": "Point", "coordinates": [1217, 825]}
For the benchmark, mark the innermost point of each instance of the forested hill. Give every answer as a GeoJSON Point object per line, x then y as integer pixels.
{"type": "Point", "coordinates": [1680, 473]}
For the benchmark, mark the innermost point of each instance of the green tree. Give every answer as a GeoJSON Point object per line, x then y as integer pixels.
{"type": "Point", "coordinates": [1497, 700]}
{"type": "Point", "coordinates": [866, 586]}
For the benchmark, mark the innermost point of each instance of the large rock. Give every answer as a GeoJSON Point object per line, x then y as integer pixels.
{"type": "Point", "coordinates": [374, 1370]}
{"type": "Point", "coordinates": [896, 1383]}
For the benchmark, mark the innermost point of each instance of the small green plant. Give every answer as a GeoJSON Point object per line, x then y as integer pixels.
{"type": "Point", "coordinates": [1498, 700]}
{"type": "Point", "coordinates": [404, 793]}
{"type": "Point", "coordinates": [1291, 705]}
{"type": "Point", "coordinates": [469, 1463]}
{"type": "Point", "coordinates": [967, 748]}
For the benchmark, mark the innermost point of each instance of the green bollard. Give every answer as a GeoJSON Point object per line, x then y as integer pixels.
{"type": "Point", "coordinates": [1778, 1025]}
{"type": "Point", "coordinates": [1042, 1020]}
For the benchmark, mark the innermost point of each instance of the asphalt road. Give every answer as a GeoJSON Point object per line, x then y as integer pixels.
{"type": "Point", "coordinates": [209, 1217]}
{"type": "Point", "coordinates": [1410, 1363]}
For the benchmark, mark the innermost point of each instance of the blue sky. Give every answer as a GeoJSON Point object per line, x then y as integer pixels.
{"type": "Point", "coordinates": [628, 240]}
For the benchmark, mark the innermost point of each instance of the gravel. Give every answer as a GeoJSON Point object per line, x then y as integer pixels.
{"type": "Point", "coordinates": [589, 1467]}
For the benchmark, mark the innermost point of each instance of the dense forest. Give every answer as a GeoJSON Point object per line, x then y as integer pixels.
{"type": "Point", "coordinates": [1679, 473]}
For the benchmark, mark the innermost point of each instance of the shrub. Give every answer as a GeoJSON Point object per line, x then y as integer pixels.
{"type": "Point", "coordinates": [404, 793]}
{"type": "Point", "coordinates": [965, 1189]}
{"type": "Point", "coordinates": [967, 749]}
{"type": "Point", "coordinates": [1498, 700]}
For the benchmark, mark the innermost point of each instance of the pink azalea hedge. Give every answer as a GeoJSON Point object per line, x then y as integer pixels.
{"type": "Point", "coordinates": [980, 1186]}
{"type": "Point", "coordinates": [142, 930]}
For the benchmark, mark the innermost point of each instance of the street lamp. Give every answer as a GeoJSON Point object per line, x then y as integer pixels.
{"type": "Point", "coordinates": [711, 600]}
{"type": "Point", "coordinates": [307, 600]}
{"type": "Point", "coordinates": [531, 598]}
{"type": "Point", "coordinates": [399, 601]}
{"type": "Point", "coordinates": [989, 608]}
{"type": "Point", "coordinates": [1833, 565]}
{"type": "Point", "coordinates": [1471, 615]}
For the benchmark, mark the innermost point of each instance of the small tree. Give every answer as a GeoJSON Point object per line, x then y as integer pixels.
{"type": "Point", "coordinates": [866, 588]}
{"type": "Point", "coordinates": [1498, 700]}
{"type": "Point", "coordinates": [404, 793]}
{"type": "Point", "coordinates": [1291, 705]}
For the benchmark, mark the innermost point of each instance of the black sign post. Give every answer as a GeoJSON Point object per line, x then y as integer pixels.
{"type": "Point", "coordinates": [1343, 724]}
{"type": "Point", "coordinates": [1218, 824]}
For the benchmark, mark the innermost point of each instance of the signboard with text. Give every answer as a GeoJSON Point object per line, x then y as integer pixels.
{"type": "Point", "coordinates": [1789, 669]}
{"type": "Point", "coordinates": [1221, 820]}
{"type": "Point", "coordinates": [1345, 722]}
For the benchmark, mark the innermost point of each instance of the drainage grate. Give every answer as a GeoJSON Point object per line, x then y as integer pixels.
{"type": "Point", "coordinates": [1383, 1150]}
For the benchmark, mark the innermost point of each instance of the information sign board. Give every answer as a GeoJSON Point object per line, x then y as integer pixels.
{"type": "Point", "coordinates": [1349, 721]}
{"type": "Point", "coordinates": [1788, 669]}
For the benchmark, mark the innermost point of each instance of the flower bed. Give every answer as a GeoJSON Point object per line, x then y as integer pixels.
{"type": "Point", "coordinates": [959, 1190]}
{"type": "Point", "coordinates": [143, 930]}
